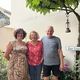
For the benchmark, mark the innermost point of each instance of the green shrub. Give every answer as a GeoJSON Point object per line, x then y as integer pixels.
{"type": "Point", "coordinates": [71, 74]}
{"type": "Point", "coordinates": [3, 70]}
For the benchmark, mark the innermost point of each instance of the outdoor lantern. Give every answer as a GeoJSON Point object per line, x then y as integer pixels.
{"type": "Point", "coordinates": [67, 24]}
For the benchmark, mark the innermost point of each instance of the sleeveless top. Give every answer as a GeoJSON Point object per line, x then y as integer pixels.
{"type": "Point", "coordinates": [17, 66]}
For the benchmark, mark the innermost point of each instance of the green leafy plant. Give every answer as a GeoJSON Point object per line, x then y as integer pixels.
{"type": "Point", "coordinates": [70, 74]}
{"type": "Point", "coordinates": [3, 70]}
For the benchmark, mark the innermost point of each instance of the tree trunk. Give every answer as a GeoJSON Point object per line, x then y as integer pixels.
{"type": "Point", "coordinates": [78, 45]}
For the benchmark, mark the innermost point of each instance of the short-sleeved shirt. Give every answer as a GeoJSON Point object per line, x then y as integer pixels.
{"type": "Point", "coordinates": [35, 53]}
{"type": "Point", "coordinates": [50, 50]}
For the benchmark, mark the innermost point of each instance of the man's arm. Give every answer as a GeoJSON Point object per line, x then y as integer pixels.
{"type": "Point", "coordinates": [60, 52]}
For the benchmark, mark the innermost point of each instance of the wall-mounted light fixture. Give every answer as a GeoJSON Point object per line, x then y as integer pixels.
{"type": "Point", "coordinates": [67, 24]}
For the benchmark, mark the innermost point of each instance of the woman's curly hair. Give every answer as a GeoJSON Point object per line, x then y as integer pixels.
{"type": "Point", "coordinates": [18, 31]}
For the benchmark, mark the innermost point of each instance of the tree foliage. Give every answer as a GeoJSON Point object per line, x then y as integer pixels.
{"type": "Point", "coordinates": [45, 6]}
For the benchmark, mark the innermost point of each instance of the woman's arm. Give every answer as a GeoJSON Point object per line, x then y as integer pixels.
{"type": "Point", "coordinates": [8, 51]}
